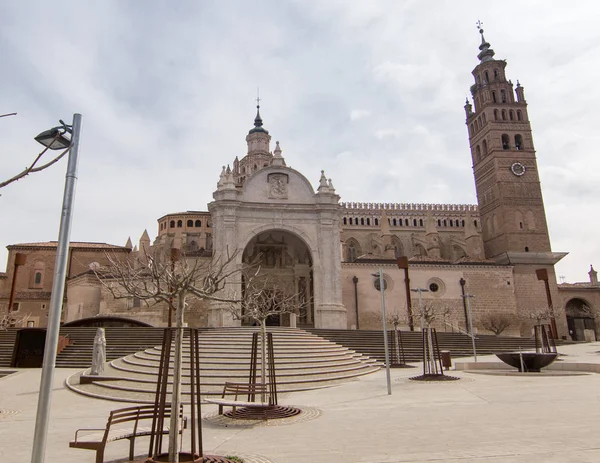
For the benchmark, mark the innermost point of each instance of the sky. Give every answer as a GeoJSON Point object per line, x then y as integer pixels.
{"type": "Point", "coordinates": [372, 92]}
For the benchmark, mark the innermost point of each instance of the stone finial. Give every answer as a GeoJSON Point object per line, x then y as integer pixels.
{"type": "Point", "coordinates": [323, 185]}
{"type": "Point", "coordinates": [330, 185]}
{"type": "Point", "coordinates": [222, 177]}
{"type": "Point", "coordinates": [129, 244]}
{"type": "Point", "coordinates": [277, 158]}
{"type": "Point", "coordinates": [593, 275]}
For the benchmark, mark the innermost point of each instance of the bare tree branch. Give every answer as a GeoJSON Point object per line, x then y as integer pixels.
{"type": "Point", "coordinates": [32, 167]}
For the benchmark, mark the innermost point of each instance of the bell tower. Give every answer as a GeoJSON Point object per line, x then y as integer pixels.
{"type": "Point", "coordinates": [504, 163]}
{"type": "Point", "coordinates": [509, 194]}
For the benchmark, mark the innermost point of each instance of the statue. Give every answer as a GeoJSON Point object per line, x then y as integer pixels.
{"type": "Point", "coordinates": [99, 353]}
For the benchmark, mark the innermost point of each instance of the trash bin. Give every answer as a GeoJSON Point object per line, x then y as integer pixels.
{"type": "Point", "coordinates": [446, 359]}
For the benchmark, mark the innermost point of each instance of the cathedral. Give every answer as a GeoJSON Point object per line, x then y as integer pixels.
{"type": "Point", "coordinates": [476, 261]}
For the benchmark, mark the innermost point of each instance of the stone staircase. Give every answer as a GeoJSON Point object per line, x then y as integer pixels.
{"type": "Point", "coordinates": [303, 361]}
{"type": "Point", "coordinates": [371, 343]}
{"type": "Point", "coordinates": [7, 342]}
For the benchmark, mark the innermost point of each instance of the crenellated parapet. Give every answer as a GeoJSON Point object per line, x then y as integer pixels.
{"type": "Point", "coordinates": [410, 207]}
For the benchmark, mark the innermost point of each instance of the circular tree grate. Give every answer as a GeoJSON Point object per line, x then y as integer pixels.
{"type": "Point", "coordinates": [272, 412]}
{"type": "Point", "coordinates": [434, 378]}
{"type": "Point", "coordinates": [187, 457]}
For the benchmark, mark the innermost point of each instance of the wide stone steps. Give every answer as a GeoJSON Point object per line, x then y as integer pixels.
{"type": "Point", "coordinates": [302, 361]}
{"type": "Point", "coordinates": [460, 345]}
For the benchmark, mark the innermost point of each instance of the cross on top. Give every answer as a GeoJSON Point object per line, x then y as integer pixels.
{"type": "Point", "coordinates": [479, 24]}
{"type": "Point", "coordinates": [257, 98]}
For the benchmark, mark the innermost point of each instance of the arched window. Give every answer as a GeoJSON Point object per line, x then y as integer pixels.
{"type": "Point", "coordinates": [406, 222]}
{"type": "Point", "coordinates": [439, 222]}
{"type": "Point", "coordinates": [243, 170]}
{"type": "Point", "coordinates": [420, 222]}
{"type": "Point", "coordinates": [518, 142]}
{"type": "Point", "coordinates": [483, 117]}
{"type": "Point", "coordinates": [472, 129]}
{"type": "Point", "coordinates": [503, 96]}
{"type": "Point", "coordinates": [352, 250]}
{"type": "Point", "coordinates": [495, 114]}
{"type": "Point", "coordinates": [511, 115]}
{"type": "Point", "coordinates": [255, 167]}
{"type": "Point", "coordinates": [190, 223]}
{"type": "Point", "coordinates": [355, 220]}
{"type": "Point", "coordinates": [362, 221]}
{"type": "Point", "coordinates": [38, 278]}
{"type": "Point", "coordinates": [368, 221]}
{"type": "Point", "coordinates": [475, 223]}
{"type": "Point", "coordinates": [376, 221]}
{"type": "Point", "coordinates": [172, 224]}
{"type": "Point", "coordinates": [476, 125]}
{"type": "Point", "coordinates": [451, 223]}
{"type": "Point", "coordinates": [345, 221]}
{"type": "Point", "coordinates": [198, 223]}
{"type": "Point", "coordinates": [484, 146]}
{"type": "Point", "coordinates": [519, 115]}
{"type": "Point", "coordinates": [394, 222]}
{"type": "Point", "coordinates": [456, 222]}
{"type": "Point", "coordinates": [494, 97]}
{"type": "Point", "coordinates": [504, 114]}
{"type": "Point", "coordinates": [487, 77]}
{"type": "Point", "coordinates": [462, 223]}
{"type": "Point", "coordinates": [414, 222]}
{"type": "Point", "coordinates": [505, 142]}
{"type": "Point", "coordinates": [526, 248]}
{"type": "Point", "coordinates": [495, 74]}
{"type": "Point", "coordinates": [478, 153]}
{"type": "Point", "coordinates": [179, 223]}
{"type": "Point", "coordinates": [265, 165]}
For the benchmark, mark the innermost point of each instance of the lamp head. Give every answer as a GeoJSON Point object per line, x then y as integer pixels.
{"type": "Point", "coordinates": [57, 138]}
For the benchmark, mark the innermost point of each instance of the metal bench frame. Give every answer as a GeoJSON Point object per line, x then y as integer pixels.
{"type": "Point", "coordinates": [123, 415]}
{"type": "Point", "coordinates": [240, 389]}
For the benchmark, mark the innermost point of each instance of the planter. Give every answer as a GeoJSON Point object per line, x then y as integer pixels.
{"type": "Point", "coordinates": [531, 361]}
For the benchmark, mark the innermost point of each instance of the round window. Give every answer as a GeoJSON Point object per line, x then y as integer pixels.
{"type": "Point", "coordinates": [434, 287]}
{"type": "Point", "coordinates": [377, 285]}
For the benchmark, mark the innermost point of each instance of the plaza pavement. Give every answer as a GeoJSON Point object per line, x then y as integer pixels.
{"type": "Point", "coordinates": [480, 418]}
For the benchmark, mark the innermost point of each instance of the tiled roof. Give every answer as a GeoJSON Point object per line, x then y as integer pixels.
{"type": "Point", "coordinates": [72, 244]}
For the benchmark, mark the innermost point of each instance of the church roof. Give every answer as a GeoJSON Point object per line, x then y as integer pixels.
{"type": "Point", "coordinates": [72, 244]}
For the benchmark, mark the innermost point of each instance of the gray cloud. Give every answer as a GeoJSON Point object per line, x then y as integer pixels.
{"type": "Point", "coordinates": [166, 91]}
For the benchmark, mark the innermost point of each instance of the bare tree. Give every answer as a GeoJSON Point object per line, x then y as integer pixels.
{"type": "Point", "coordinates": [266, 296]}
{"type": "Point", "coordinates": [9, 320]}
{"type": "Point", "coordinates": [34, 166]}
{"type": "Point", "coordinates": [497, 323]}
{"type": "Point", "coordinates": [429, 312]}
{"type": "Point", "coordinates": [152, 278]}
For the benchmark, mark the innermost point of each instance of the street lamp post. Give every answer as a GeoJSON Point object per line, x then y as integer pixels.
{"type": "Point", "coordinates": [467, 298]}
{"type": "Point", "coordinates": [55, 139]}
{"type": "Point", "coordinates": [542, 274]}
{"type": "Point", "coordinates": [384, 323]}
{"type": "Point", "coordinates": [403, 264]}
{"type": "Point", "coordinates": [420, 291]}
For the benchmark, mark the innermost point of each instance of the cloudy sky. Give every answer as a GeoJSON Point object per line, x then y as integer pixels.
{"type": "Point", "coordinates": [370, 91]}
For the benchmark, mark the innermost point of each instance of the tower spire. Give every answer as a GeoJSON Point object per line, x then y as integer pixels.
{"type": "Point", "coordinates": [258, 122]}
{"type": "Point", "coordinates": [486, 53]}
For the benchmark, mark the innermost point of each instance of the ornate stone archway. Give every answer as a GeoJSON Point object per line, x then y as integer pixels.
{"type": "Point", "coordinates": [287, 261]}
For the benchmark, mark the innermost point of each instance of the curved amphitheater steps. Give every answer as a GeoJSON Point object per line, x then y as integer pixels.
{"type": "Point", "coordinates": [302, 361]}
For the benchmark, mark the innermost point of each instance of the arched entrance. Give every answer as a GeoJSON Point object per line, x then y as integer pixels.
{"type": "Point", "coordinates": [580, 320]}
{"type": "Point", "coordinates": [287, 261]}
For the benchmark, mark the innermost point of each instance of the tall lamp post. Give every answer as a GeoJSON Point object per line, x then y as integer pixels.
{"type": "Point", "coordinates": [542, 274]}
{"type": "Point", "coordinates": [384, 323]}
{"type": "Point", "coordinates": [420, 291]}
{"type": "Point", "coordinates": [403, 264]}
{"type": "Point", "coordinates": [20, 259]}
{"type": "Point", "coordinates": [56, 138]}
{"type": "Point", "coordinates": [467, 299]}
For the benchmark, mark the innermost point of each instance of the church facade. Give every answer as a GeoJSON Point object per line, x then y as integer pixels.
{"type": "Point", "coordinates": [470, 261]}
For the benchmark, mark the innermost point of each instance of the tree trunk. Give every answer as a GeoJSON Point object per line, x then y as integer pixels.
{"type": "Point", "coordinates": [176, 394]}
{"type": "Point", "coordinates": [399, 359]}
{"type": "Point", "coordinates": [263, 355]}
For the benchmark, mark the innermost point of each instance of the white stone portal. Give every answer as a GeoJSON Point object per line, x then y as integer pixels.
{"type": "Point", "coordinates": [277, 206]}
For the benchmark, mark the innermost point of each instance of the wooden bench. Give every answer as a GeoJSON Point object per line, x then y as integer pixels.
{"type": "Point", "coordinates": [237, 390]}
{"type": "Point", "coordinates": [123, 423]}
